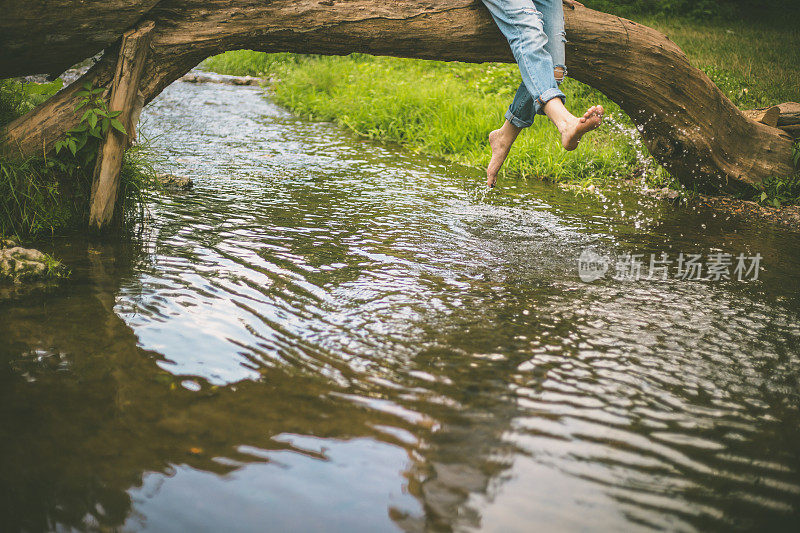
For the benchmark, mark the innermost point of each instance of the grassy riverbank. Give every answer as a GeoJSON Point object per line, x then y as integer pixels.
{"type": "Point", "coordinates": [49, 195]}
{"type": "Point", "coordinates": [448, 109]}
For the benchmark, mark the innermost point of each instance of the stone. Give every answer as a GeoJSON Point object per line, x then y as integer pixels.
{"type": "Point", "coordinates": [175, 183]}
{"type": "Point", "coordinates": [665, 193]}
{"type": "Point", "coordinates": [26, 264]}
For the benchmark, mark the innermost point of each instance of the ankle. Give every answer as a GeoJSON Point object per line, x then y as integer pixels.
{"type": "Point", "coordinates": [565, 124]}
{"type": "Point", "coordinates": [503, 137]}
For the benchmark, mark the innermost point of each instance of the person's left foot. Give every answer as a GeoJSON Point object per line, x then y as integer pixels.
{"type": "Point", "coordinates": [573, 132]}
{"type": "Point", "coordinates": [500, 149]}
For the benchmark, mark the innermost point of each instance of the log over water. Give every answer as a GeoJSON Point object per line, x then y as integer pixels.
{"type": "Point", "coordinates": [687, 123]}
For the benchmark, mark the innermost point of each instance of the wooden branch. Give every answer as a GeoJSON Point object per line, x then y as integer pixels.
{"type": "Point", "coordinates": [686, 122]}
{"type": "Point", "coordinates": [124, 94]}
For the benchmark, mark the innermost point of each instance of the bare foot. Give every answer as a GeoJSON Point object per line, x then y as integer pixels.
{"type": "Point", "coordinates": [578, 127]}
{"type": "Point", "coordinates": [501, 146]}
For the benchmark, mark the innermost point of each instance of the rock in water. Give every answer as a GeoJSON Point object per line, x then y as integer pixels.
{"type": "Point", "coordinates": [175, 183]}
{"type": "Point", "coordinates": [25, 264]}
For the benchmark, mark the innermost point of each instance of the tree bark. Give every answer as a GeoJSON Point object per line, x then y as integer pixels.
{"type": "Point", "coordinates": [49, 36]}
{"type": "Point", "coordinates": [686, 122]}
{"type": "Point", "coordinates": [124, 95]}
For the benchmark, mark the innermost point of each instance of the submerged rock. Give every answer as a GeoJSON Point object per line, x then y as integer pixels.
{"type": "Point", "coordinates": [175, 183]}
{"type": "Point", "coordinates": [665, 193]}
{"type": "Point", "coordinates": [26, 264]}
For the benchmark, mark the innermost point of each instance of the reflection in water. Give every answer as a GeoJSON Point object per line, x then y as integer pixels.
{"type": "Point", "coordinates": [330, 333]}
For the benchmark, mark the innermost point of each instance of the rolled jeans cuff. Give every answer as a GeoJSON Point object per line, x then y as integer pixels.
{"type": "Point", "coordinates": [515, 120]}
{"type": "Point", "coordinates": [548, 95]}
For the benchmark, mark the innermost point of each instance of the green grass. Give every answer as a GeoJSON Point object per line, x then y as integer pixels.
{"type": "Point", "coordinates": [448, 109]}
{"type": "Point", "coordinates": [755, 63]}
{"type": "Point", "coordinates": [17, 98]}
{"type": "Point", "coordinates": [247, 63]}
{"type": "Point", "coordinates": [37, 200]}
{"type": "Point", "coordinates": [50, 195]}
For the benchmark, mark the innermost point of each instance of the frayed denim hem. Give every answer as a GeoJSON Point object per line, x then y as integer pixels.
{"type": "Point", "coordinates": [546, 96]}
{"type": "Point", "coordinates": [512, 118]}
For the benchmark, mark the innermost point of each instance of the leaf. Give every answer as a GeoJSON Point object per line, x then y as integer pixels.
{"type": "Point", "coordinates": [86, 115]}
{"type": "Point", "coordinates": [114, 114]}
{"type": "Point", "coordinates": [763, 196]}
{"type": "Point", "coordinates": [92, 120]}
{"type": "Point", "coordinates": [72, 147]}
{"type": "Point", "coordinates": [776, 202]}
{"type": "Point", "coordinates": [87, 86]}
{"type": "Point", "coordinates": [59, 145]}
{"type": "Point", "coordinates": [117, 125]}
{"type": "Point", "coordinates": [99, 90]}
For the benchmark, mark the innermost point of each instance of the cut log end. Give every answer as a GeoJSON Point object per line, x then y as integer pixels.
{"type": "Point", "coordinates": [767, 115]}
{"type": "Point", "coordinates": [785, 116]}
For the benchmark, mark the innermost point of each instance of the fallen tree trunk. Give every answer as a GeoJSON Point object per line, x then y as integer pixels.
{"type": "Point", "coordinates": [48, 37]}
{"type": "Point", "coordinates": [686, 122]}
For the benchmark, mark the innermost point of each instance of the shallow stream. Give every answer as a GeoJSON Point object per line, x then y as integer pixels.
{"type": "Point", "coordinates": [328, 333]}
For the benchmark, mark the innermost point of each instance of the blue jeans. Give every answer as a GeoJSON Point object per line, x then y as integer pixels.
{"type": "Point", "coordinates": [535, 32]}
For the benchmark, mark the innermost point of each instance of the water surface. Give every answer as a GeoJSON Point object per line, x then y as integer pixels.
{"type": "Point", "coordinates": [330, 333]}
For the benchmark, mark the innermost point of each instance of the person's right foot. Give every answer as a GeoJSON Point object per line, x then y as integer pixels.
{"type": "Point", "coordinates": [571, 134]}
{"type": "Point", "coordinates": [500, 149]}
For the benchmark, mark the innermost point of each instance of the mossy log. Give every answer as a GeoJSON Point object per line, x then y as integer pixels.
{"type": "Point", "coordinates": [686, 122]}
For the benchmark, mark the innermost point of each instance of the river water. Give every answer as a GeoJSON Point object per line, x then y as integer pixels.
{"type": "Point", "coordinates": [328, 333]}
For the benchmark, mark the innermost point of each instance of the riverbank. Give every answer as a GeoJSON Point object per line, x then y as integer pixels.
{"type": "Point", "coordinates": [448, 109]}
{"type": "Point", "coordinates": [49, 195]}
